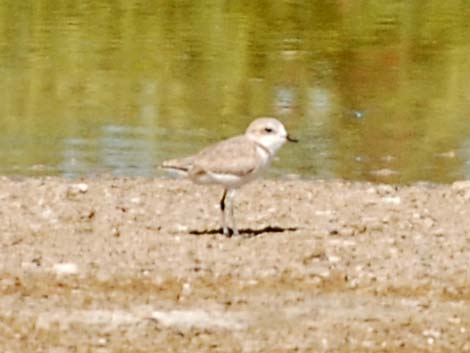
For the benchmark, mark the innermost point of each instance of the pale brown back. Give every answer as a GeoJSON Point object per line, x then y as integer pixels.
{"type": "Point", "coordinates": [237, 156]}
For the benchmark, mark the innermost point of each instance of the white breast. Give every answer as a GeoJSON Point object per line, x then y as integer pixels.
{"type": "Point", "coordinates": [265, 157]}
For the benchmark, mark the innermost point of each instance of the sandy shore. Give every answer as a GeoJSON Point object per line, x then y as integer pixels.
{"type": "Point", "coordinates": [136, 265]}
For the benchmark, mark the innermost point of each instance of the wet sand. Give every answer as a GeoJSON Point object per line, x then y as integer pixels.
{"type": "Point", "coordinates": [136, 265]}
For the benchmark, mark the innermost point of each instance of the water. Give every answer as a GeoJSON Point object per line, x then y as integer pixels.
{"type": "Point", "coordinates": [374, 90]}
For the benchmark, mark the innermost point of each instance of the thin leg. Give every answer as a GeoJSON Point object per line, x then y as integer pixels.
{"type": "Point", "coordinates": [231, 196]}
{"type": "Point", "coordinates": [222, 209]}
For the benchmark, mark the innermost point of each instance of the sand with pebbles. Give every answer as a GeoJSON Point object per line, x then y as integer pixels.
{"type": "Point", "coordinates": [137, 265]}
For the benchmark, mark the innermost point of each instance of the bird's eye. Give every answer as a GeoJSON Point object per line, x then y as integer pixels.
{"type": "Point", "coordinates": [268, 130]}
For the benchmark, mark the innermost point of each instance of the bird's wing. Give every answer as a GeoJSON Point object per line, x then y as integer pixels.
{"type": "Point", "coordinates": [236, 156]}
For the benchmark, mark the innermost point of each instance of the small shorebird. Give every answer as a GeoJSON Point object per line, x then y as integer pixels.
{"type": "Point", "coordinates": [234, 162]}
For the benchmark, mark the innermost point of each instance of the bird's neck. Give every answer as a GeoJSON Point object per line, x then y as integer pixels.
{"type": "Point", "coordinates": [266, 150]}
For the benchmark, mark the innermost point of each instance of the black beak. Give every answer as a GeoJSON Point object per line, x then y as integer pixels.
{"type": "Point", "coordinates": [290, 139]}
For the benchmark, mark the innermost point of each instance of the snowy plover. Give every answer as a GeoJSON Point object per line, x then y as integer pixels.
{"type": "Point", "coordinates": [234, 162]}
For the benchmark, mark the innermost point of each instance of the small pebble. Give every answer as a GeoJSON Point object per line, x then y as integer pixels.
{"type": "Point", "coordinates": [82, 187]}
{"type": "Point", "coordinates": [136, 200]}
{"type": "Point", "coordinates": [334, 259]}
{"type": "Point", "coordinates": [454, 320]}
{"type": "Point", "coordinates": [431, 333]}
{"type": "Point", "coordinates": [385, 189]}
{"type": "Point", "coordinates": [428, 223]}
{"type": "Point", "coordinates": [186, 288]}
{"type": "Point", "coordinates": [65, 268]}
{"type": "Point", "coordinates": [181, 228]}
{"type": "Point", "coordinates": [102, 342]}
{"type": "Point", "coordinates": [392, 200]}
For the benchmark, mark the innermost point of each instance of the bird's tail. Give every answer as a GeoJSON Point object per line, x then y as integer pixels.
{"type": "Point", "coordinates": [177, 166]}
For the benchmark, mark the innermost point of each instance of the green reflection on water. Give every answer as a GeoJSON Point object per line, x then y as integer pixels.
{"type": "Point", "coordinates": [375, 90]}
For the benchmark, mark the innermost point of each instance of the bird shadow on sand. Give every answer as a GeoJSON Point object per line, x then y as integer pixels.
{"type": "Point", "coordinates": [248, 232]}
